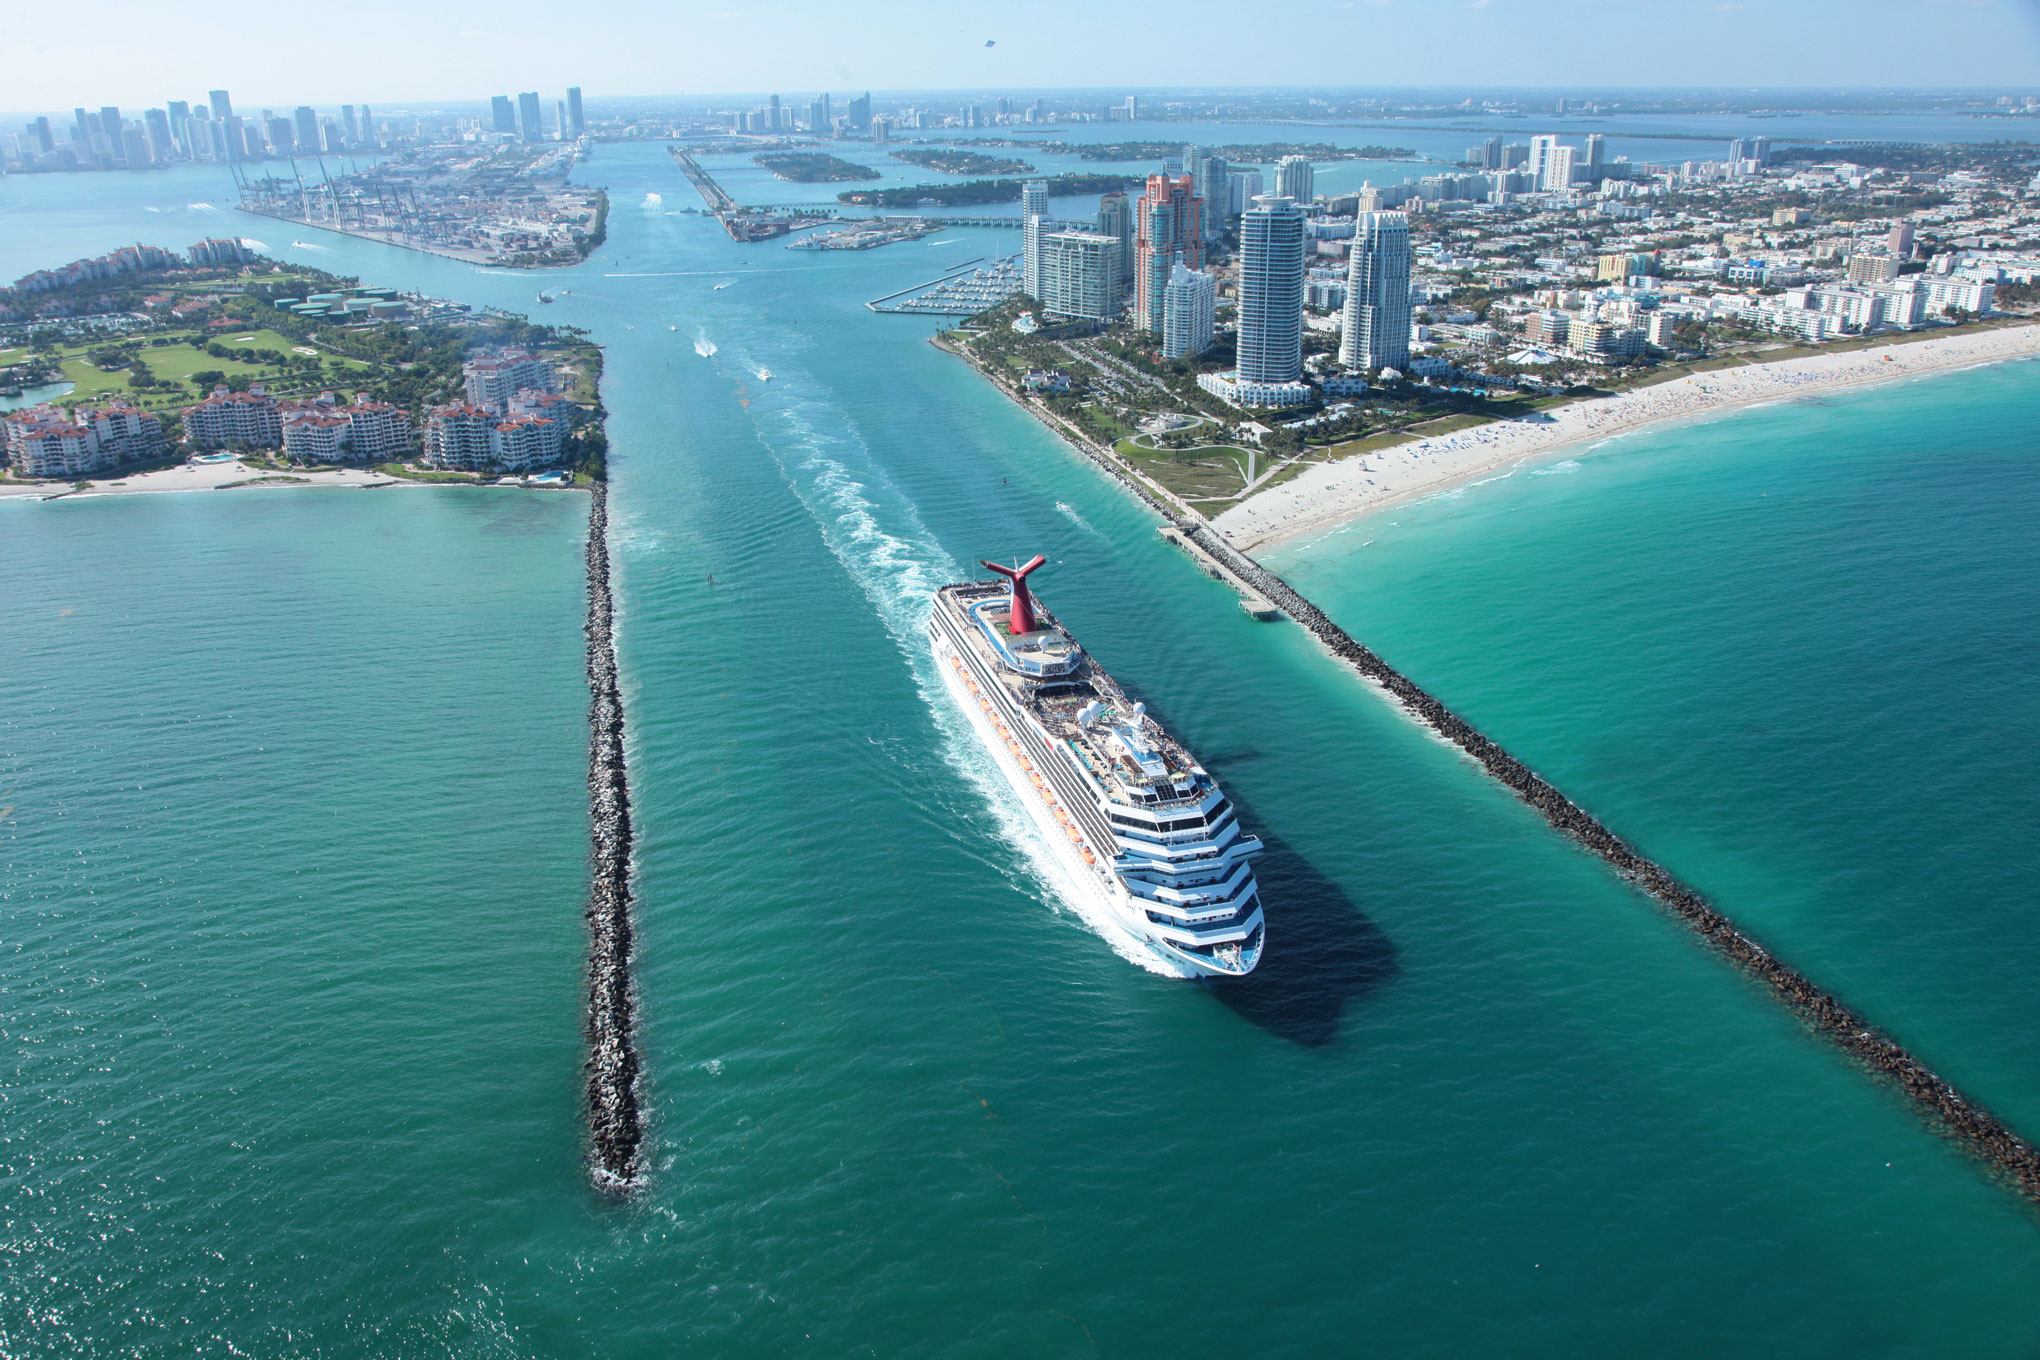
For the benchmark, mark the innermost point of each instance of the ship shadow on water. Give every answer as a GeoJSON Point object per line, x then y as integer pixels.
{"type": "Point", "coordinates": [1323, 953]}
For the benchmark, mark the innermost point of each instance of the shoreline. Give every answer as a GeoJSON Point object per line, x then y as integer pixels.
{"type": "Point", "coordinates": [1329, 496]}
{"type": "Point", "coordinates": [234, 476]}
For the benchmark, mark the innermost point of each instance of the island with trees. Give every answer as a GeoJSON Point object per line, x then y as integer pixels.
{"type": "Point", "coordinates": [813, 167]}
{"type": "Point", "coordinates": [955, 161]}
{"type": "Point", "coordinates": [982, 191]}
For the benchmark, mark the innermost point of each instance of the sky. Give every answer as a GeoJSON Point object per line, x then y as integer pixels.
{"type": "Point", "coordinates": [140, 53]}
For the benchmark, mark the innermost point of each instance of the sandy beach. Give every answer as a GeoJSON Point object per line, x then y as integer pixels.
{"type": "Point", "coordinates": [1327, 495]}
{"type": "Point", "coordinates": [201, 477]}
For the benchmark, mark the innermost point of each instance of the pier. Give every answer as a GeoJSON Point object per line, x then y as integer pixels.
{"type": "Point", "coordinates": [966, 290]}
{"type": "Point", "coordinates": [1252, 602]}
{"type": "Point", "coordinates": [615, 1126]}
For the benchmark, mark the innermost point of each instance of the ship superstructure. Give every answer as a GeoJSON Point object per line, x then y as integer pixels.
{"type": "Point", "coordinates": [1133, 817]}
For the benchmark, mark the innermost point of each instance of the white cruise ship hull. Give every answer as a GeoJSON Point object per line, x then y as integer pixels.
{"type": "Point", "coordinates": [1086, 866]}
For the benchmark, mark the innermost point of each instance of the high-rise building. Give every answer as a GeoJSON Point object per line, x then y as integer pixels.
{"type": "Point", "coordinates": [1271, 291]}
{"type": "Point", "coordinates": [528, 117]}
{"type": "Point", "coordinates": [1540, 150]}
{"type": "Point", "coordinates": [1168, 229]}
{"type": "Point", "coordinates": [818, 114]}
{"type": "Point", "coordinates": [1295, 179]}
{"type": "Point", "coordinates": [577, 117]}
{"type": "Point", "coordinates": [1242, 188]}
{"type": "Point", "coordinates": [282, 135]}
{"type": "Point", "coordinates": [1900, 241]}
{"type": "Point", "coordinates": [1115, 219]}
{"type": "Point", "coordinates": [349, 124]}
{"type": "Point", "coordinates": [1377, 317]}
{"type": "Point", "coordinates": [1133, 108]}
{"type": "Point", "coordinates": [157, 125]}
{"type": "Point", "coordinates": [305, 127]}
{"type": "Point", "coordinates": [1558, 168]}
{"type": "Point", "coordinates": [1597, 155]}
{"type": "Point", "coordinates": [772, 115]}
{"type": "Point", "coordinates": [560, 120]}
{"type": "Point", "coordinates": [1033, 225]}
{"type": "Point", "coordinates": [1491, 152]}
{"type": "Point", "coordinates": [1189, 312]}
{"type": "Point", "coordinates": [859, 117]}
{"type": "Point", "coordinates": [1209, 175]}
{"type": "Point", "coordinates": [503, 113]}
{"type": "Point", "coordinates": [1079, 274]}
{"type": "Point", "coordinates": [222, 107]}
{"type": "Point", "coordinates": [46, 140]}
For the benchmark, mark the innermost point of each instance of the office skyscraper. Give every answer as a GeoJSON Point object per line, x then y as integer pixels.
{"type": "Point", "coordinates": [305, 124]}
{"type": "Point", "coordinates": [528, 117]}
{"type": "Point", "coordinates": [560, 120]}
{"type": "Point", "coordinates": [1294, 179]}
{"type": "Point", "coordinates": [1271, 291]}
{"type": "Point", "coordinates": [1168, 229]}
{"type": "Point", "coordinates": [1033, 225]}
{"type": "Point", "coordinates": [222, 107]}
{"type": "Point", "coordinates": [1377, 320]}
{"type": "Point", "coordinates": [859, 116]}
{"type": "Point", "coordinates": [503, 113]}
{"type": "Point", "coordinates": [1189, 310]}
{"type": "Point", "coordinates": [577, 117]}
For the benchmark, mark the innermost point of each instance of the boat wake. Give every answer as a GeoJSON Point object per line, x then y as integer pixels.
{"type": "Point", "coordinates": [1069, 512]}
{"type": "Point", "coordinates": [704, 346]}
{"type": "Point", "coordinates": [899, 572]}
{"type": "Point", "coordinates": [307, 245]}
{"type": "Point", "coordinates": [653, 200]}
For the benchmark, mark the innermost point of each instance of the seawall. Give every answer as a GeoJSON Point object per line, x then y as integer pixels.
{"type": "Point", "coordinates": [615, 1125]}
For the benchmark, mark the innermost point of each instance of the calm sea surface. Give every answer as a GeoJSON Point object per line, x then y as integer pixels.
{"type": "Point", "coordinates": [291, 867]}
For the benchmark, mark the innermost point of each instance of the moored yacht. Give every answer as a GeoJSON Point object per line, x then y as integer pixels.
{"type": "Point", "coordinates": [1135, 821]}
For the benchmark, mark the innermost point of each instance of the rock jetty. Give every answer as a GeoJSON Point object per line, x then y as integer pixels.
{"type": "Point", "coordinates": [1947, 1109]}
{"type": "Point", "coordinates": [615, 1125]}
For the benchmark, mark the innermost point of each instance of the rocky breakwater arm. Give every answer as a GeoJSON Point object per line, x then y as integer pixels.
{"type": "Point", "coordinates": [615, 1125]}
{"type": "Point", "coordinates": [1946, 1109]}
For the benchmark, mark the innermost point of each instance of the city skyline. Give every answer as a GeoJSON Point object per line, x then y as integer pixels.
{"type": "Point", "coordinates": [709, 50]}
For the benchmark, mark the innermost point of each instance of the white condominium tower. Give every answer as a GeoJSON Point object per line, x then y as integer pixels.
{"type": "Point", "coordinates": [1080, 274]}
{"type": "Point", "coordinates": [1033, 211]}
{"type": "Point", "coordinates": [1558, 168]}
{"type": "Point", "coordinates": [1540, 151]}
{"type": "Point", "coordinates": [1271, 291]}
{"type": "Point", "coordinates": [1190, 302]}
{"type": "Point", "coordinates": [1377, 321]}
{"type": "Point", "coordinates": [1293, 179]}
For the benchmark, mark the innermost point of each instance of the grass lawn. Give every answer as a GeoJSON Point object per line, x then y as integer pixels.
{"type": "Point", "coordinates": [177, 362]}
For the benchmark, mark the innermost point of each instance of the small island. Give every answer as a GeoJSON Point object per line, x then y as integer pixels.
{"type": "Point", "coordinates": [232, 369]}
{"type": "Point", "coordinates": [813, 167]}
{"type": "Point", "coordinates": [952, 161]}
{"type": "Point", "coordinates": [982, 191]}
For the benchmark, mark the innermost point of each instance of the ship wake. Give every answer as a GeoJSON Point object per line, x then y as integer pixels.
{"type": "Point", "coordinates": [899, 568]}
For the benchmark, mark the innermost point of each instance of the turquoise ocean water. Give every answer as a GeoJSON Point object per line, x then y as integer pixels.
{"type": "Point", "coordinates": [292, 875]}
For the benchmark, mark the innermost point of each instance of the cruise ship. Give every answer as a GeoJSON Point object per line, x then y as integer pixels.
{"type": "Point", "coordinates": [1136, 821]}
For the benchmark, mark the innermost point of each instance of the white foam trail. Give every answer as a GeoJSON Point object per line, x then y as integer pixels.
{"type": "Point", "coordinates": [1556, 469]}
{"type": "Point", "coordinates": [653, 200]}
{"type": "Point", "coordinates": [254, 244]}
{"type": "Point", "coordinates": [1069, 512]}
{"type": "Point", "coordinates": [704, 346]}
{"type": "Point", "coordinates": [307, 245]}
{"type": "Point", "coordinates": [899, 575]}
